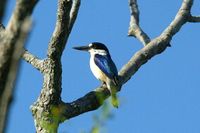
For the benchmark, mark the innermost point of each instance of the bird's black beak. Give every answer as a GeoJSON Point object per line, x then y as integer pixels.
{"type": "Point", "coordinates": [82, 48]}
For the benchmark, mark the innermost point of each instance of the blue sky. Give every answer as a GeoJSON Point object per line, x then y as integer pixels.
{"type": "Point", "coordinates": [162, 97]}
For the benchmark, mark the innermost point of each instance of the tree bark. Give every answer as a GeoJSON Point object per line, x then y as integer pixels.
{"type": "Point", "coordinates": [49, 110]}
{"type": "Point", "coordinates": [12, 40]}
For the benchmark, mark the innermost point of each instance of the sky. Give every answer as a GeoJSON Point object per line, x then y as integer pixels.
{"type": "Point", "coordinates": [162, 97]}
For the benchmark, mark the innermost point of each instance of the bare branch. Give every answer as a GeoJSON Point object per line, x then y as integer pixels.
{"type": "Point", "coordinates": [33, 60]}
{"type": "Point", "coordinates": [50, 95]}
{"type": "Point", "coordinates": [74, 13]}
{"type": "Point", "coordinates": [66, 16]}
{"type": "Point", "coordinates": [10, 72]}
{"type": "Point", "coordinates": [159, 44]}
{"type": "Point", "coordinates": [49, 102]}
{"type": "Point", "coordinates": [194, 19]}
{"type": "Point", "coordinates": [11, 35]}
{"type": "Point", "coordinates": [23, 9]}
{"type": "Point", "coordinates": [93, 100]}
{"type": "Point", "coordinates": [61, 32]}
{"type": "Point", "coordinates": [89, 102]}
{"type": "Point", "coordinates": [134, 28]}
{"type": "Point", "coordinates": [12, 39]}
{"type": "Point", "coordinates": [180, 19]}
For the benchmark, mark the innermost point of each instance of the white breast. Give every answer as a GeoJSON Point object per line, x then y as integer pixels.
{"type": "Point", "coordinates": [96, 71]}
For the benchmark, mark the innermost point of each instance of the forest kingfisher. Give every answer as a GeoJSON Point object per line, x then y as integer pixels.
{"type": "Point", "coordinates": [103, 67]}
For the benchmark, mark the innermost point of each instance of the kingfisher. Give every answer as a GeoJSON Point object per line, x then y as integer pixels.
{"type": "Point", "coordinates": [103, 68]}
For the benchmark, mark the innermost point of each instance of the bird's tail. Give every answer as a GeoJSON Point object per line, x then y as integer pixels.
{"type": "Point", "coordinates": [114, 100]}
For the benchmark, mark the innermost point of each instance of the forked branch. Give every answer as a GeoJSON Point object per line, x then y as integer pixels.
{"type": "Point", "coordinates": [91, 100]}
{"type": "Point", "coordinates": [134, 28]}
{"type": "Point", "coordinates": [50, 104]}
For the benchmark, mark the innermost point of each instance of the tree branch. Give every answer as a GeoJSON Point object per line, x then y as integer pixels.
{"type": "Point", "coordinates": [11, 67]}
{"type": "Point", "coordinates": [134, 28]}
{"type": "Point", "coordinates": [66, 16]}
{"type": "Point", "coordinates": [43, 109]}
{"type": "Point", "coordinates": [12, 39]}
{"type": "Point", "coordinates": [159, 44]}
{"type": "Point", "coordinates": [181, 18]}
{"type": "Point", "coordinates": [10, 36]}
{"type": "Point", "coordinates": [74, 13]}
{"type": "Point", "coordinates": [91, 101]}
{"type": "Point", "coordinates": [49, 110]}
{"type": "Point", "coordinates": [33, 60]}
{"type": "Point", "coordinates": [194, 19]}
{"type": "Point", "coordinates": [61, 32]}
{"type": "Point", "coordinates": [94, 99]}
{"type": "Point", "coordinates": [23, 9]}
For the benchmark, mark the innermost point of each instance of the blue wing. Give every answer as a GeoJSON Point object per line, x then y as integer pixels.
{"type": "Point", "coordinates": [107, 66]}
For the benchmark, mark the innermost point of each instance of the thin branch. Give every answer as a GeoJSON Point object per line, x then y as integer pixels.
{"type": "Point", "coordinates": [66, 16]}
{"type": "Point", "coordinates": [61, 32]}
{"type": "Point", "coordinates": [159, 44]}
{"type": "Point", "coordinates": [74, 13]}
{"type": "Point", "coordinates": [11, 34]}
{"type": "Point", "coordinates": [49, 102]}
{"type": "Point", "coordinates": [23, 9]}
{"type": "Point", "coordinates": [181, 18]}
{"type": "Point", "coordinates": [11, 70]}
{"type": "Point", "coordinates": [33, 60]}
{"type": "Point", "coordinates": [11, 41]}
{"type": "Point", "coordinates": [134, 28]}
{"type": "Point", "coordinates": [91, 100]}
{"type": "Point", "coordinates": [194, 19]}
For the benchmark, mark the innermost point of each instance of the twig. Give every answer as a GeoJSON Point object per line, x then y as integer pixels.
{"type": "Point", "coordinates": [194, 19]}
{"type": "Point", "coordinates": [74, 13]}
{"type": "Point", "coordinates": [134, 28]}
{"type": "Point", "coordinates": [33, 60]}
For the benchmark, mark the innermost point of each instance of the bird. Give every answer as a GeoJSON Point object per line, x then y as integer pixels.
{"type": "Point", "coordinates": [103, 68]}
